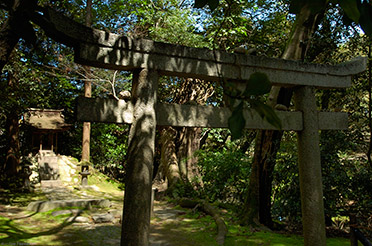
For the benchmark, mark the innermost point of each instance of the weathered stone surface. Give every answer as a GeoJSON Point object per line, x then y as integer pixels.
{"type": "Point", "coordinates": [78, 219]}
{"type": "Point", "coordinates": [51, 184]}
{"type": "Point", "coordinates": [104, 110]}
{"type": "Point", "coordinates": [333, 120]}
{"type": "Point", "coordinates": [141, 151]}
{"type": "Point", "coordinates": [167, 214]}
{"type": "Point", "coordinates": [67, 169]}
{"type": "Point", "coordinates": [230, 66]}
{"type": "Point", "coordinates": [43, 206]}
{"type": "Point", "coordinates": [69, 211]}
{"type": "Point", "coordinates": [120, 111]}
{"type": "Point", "coordinates": [310, 169]}
{"type": "Point", "coordinates": [116, 213]}
{"type": "Point", "coordinates": [107, 50]}
{"type": "Point", "coordinates": [103, 218]}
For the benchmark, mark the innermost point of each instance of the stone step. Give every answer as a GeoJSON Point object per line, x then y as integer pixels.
{"type": "Point", "coordinates": [69, 211]}
{"type": "Point", "coordinates": [44, 206]}
{"type": "Point", "coordinates": [51, 184]}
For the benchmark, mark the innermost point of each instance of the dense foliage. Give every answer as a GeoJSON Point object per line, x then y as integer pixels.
{"type": "Point", "coordinates": [224, 174]}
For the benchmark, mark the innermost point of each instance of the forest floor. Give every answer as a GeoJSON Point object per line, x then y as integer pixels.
{"type": "Point", "coordinates": [170, 225]}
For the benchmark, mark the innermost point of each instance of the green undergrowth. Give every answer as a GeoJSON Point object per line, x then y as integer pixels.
{"type": "Point", "coordinates": [199, 229]}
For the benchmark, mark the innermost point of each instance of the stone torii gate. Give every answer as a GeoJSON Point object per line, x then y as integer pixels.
{"type": "Point", "coordinates": [148, 60]}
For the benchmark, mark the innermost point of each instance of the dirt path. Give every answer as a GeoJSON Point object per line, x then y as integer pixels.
{"type": "Point", "coordinates": [22, 226]}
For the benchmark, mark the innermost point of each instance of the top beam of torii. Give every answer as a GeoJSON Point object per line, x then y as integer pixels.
{"type": "Point", "coordinates": [107, 50]}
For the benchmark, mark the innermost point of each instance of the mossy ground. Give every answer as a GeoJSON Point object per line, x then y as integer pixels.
{"type": "Point", "coordinates": [194, 229]}
{"type": "Point", "coordinates": [18, 226]}
{"type": "Point", "coordinates": [187, 229]}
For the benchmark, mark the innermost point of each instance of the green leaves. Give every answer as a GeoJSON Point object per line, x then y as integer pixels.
{"type": "Point", "coordinates": [295, 6]}
{"type": "Point", "coordinates": [359, 12]}
{"type": "Point", "coordinates": [257, 85]}
{"type": "Point", "coordinates": [315, 5]}
{"type": "Point", "coordinates": [351, 9]}
{"type": "Point", "coordinates": [267, 112]}
{"type": "Point", "coordinates": [236, 121]}
{"type": "Point", "coordinates": [365, 19]}
{"type": "Point", "coordinates": [213, 4]}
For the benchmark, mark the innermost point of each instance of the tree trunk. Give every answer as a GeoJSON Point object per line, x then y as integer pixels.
{"type": "Point", "coordinates": [190, 143]}
{"type": "Point", "coordinates": [12, 159]}
{"type": "Point", "coordinates": [10, 33]}
{"type": "Point", "coordinates": [184, 141]}
{"type": "Point", "coordinates": [85, 152]}
{"type": "Point", "coordinates": [168, 160]}
{"type": "Point", "coordinates": [12, 28]}
{"type": "Point", "coordinates": [13, 151]}
{"type": "Point", "coordinates": [257, 206]}
{"type": "Point", "coordinates": [193, 136]}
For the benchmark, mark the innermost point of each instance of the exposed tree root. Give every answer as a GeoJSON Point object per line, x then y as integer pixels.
{"type": "Point", "coordinates": [210, 210]}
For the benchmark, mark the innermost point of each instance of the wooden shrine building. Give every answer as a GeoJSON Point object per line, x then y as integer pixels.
{"type": "Point", "coordinates": [44, 126]}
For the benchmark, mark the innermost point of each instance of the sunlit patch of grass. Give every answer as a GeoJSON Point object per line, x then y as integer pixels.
{"type": "Point", "coordinates": [37, 230]}
{"type": "Point", "coordinates": [41, 229]}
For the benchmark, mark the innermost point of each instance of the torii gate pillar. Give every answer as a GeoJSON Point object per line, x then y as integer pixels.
{"type": "Point", "coordinates": [137, 198]}
{"type": "Point", "coordinates": [310, 173]}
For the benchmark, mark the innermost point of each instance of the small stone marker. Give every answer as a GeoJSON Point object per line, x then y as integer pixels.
{"type": "Point", "coordinates": [84, 175]}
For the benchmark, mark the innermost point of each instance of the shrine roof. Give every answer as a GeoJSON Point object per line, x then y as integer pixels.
{"type": "Point", "coordinates": [46, 119]}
